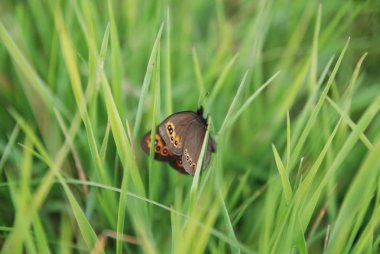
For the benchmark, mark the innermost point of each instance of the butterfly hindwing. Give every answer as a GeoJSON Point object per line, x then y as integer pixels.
{"type": "Point", "coordinates": [177, 164]}
{"type": "Point", "coordinates": [161, 150]}
{"type": "Point", "coordinates": [174, 129]}
{"type": "Point", "coordinates": [192, 147]}
{"type": "Point", "coordinates": [211, 148]}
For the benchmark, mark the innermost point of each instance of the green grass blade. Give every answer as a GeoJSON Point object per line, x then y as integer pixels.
{"type": "Point", "coordinates": [85, 227]}
{"type": "Point", "coordinates": [283, 175]}
{"type": "Point", "coordinates": [131, 176]}
{"type": "Point", "coordinates": [317, 108]}
{"type": "Point", "coordinates": [198, 73]}
{"type": "Point", "coordinates": [71, 64]}
{"type": "Point", "coordinates": [168, 67]}
{"type": "Point", "coordinates": [30, 74]}
{"type": "Point", "coordinates": [232, 108]}
{"type": "Point", "coordinates": [352, 125]}
{"type": "Point", "coordinates": [221, 81]}
{"type": "Point", "coordinates": [40, 195]}
{"type": "Point", "coordinates": [288, 141]}
{"type": "Point", "coordinates": [227, 219]}
{"type": "Point", "coordinates": [155, 118]}
{"type": "Point", "coordinates": [116, 61]}
{"type": "Point", "coordinates": [66, 234]}
{"type": "Point", "coordinates": [195, 182]}
{"type": "Point", "coordinates": [146, 82]}
{"type": "Point", "coordinates": [363, 186]}
{"type": "Point", "coordinates": [252, 98]}
{"type": "Point", "coordinates": [8, 147]}
{"type": "Point", "coordinates": [314, 51]}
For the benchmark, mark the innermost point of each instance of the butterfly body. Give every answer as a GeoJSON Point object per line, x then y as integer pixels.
{"type": "Point", "coordinates": [179, 139]}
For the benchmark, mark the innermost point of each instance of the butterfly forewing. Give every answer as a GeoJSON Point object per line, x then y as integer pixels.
{"type": "Point", "coordinates": [173, 130]}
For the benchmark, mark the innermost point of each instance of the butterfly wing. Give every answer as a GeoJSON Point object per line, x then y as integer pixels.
{"type": "Point", "coordinates": [161, 150]}
{"type": "Point", "coordinates": [173, 130]}
{"type": "Point", "coordinates": [177, 164]}
{"type": "Point", "coordinates": [179, 140]}
{"type": "Point", "coordinates": [211, 148]}
{"type": "Point", "coordinates": [193, 146]}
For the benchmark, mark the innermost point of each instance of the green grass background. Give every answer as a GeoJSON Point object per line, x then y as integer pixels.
{"type": "Point", "coordinates": [292, 89]}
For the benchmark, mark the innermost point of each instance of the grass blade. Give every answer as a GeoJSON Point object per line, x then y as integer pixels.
{"type": "Point", "coordinates": [145, 86]}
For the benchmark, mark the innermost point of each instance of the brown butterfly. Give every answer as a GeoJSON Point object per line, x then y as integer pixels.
{"type": "Point", "coordinates": [179, 140]}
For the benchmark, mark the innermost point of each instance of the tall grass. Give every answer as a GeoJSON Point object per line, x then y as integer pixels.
{"type": "Point", "coordinates": [291, 94]}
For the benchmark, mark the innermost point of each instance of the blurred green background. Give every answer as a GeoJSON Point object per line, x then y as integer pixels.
{"type": "Point", "coordinates": [292, 90]}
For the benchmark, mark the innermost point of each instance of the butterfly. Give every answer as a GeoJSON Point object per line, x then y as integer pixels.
{"type": "Point", "coordinates": [179, 140]}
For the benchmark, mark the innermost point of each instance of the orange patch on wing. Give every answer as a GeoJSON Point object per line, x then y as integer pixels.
{"type": "Point", "coordinates": [159, 140]}
{"type": "Point", "coordinates": [165, 151]}
{"type": "Point", "coordinates": [173, 137]}
{"type": "Point", "coordinates": [178, 162]}
{"type": "Point", "coordinates": [148, 142]}
{"type": "Point", "coordinates": [159, 143]}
